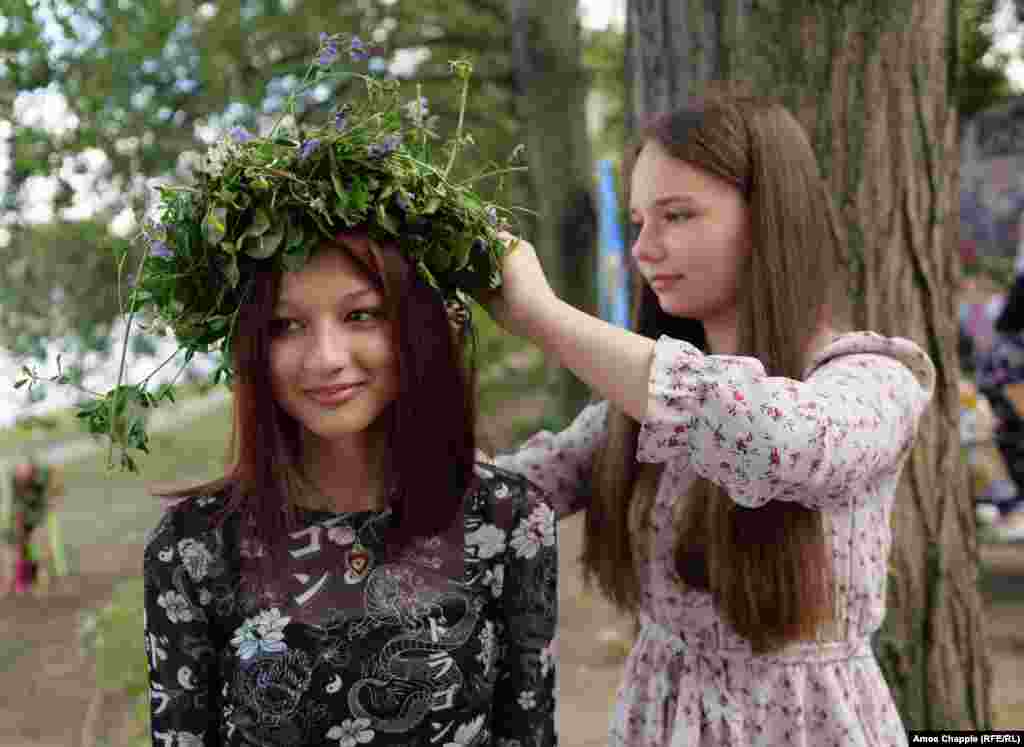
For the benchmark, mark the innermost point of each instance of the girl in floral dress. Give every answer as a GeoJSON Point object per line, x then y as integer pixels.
{"type": "Point", "coordinates": [738, 473]}
{"type": "Point", "coordinates": [356, 578]}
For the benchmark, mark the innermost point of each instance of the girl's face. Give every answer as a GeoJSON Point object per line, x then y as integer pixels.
{"type": "Point", "coordinates": [693, 235]}
{"type": "Point", "coordinates": [333, 363]}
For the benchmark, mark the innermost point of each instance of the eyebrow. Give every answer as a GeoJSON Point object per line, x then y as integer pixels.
{"type": "Point", "coordinates": [667, 200]}
{"type": "Point", "coordinates": [284, 303]}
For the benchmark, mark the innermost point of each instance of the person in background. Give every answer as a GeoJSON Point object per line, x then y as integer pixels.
{"type": "Point", "coordinates": [32, 491]}
{"type": "Point", "coordinates": [999, 373]}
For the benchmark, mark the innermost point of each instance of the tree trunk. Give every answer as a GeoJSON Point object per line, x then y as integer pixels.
{"type": "Point", "coordinates": [869, 81]}
{"type": "Point", "coordinates": [552, 86]}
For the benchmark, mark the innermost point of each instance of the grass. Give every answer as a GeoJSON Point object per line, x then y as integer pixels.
{"type": "Point", "coordinates": [104, 506]}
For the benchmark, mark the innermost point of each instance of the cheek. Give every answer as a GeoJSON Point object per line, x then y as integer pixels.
{"type": "Point", "coordinates": [284, 363]}
{"type": "Point", "coordinates": [379, 352]}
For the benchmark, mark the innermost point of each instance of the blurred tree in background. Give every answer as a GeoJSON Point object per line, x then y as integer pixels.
{"type": "Point", "coordinates": [873, 82]}
{"type": "Point", "coordinates": [145, 86]}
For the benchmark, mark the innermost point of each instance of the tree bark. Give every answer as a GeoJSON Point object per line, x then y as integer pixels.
{"type": "Point", "coordinates": [551, 86]}
{"type": "Point", "coordinates": [868, 79]}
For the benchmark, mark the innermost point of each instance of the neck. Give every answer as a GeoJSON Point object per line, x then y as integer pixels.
{"type": "Point", "coordinates": [721, 333]}
{"type": "Point", "coordinates": [346, 474]}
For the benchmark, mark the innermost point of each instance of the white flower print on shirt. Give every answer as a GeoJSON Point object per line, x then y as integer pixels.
{"type": "Point", "coordinates": [263, 633]}
{"type": "Point", "coordinates": [178, 608]}
{"type": "Point", "coordinates": [487, 647]}
{"type": "Point", "coordinates": [467, 733]}
{"type": "Point", "coordinates": [534, 532]}
{"type": "Point", "coordinates": [352, 732]}
{"type": "Point", "coordinates": [179, 738]}
{"type": "Point", "coordinates": [489, 540]}
{"type": "Point", "coordinates": [495, 579]}
{"type": "Point", "coordinates": [527, 700]}
{"type": "Point", "coordinates": [195, 557]}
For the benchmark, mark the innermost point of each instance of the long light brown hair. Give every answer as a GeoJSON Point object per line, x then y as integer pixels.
{"type": "Point", "coordinates": [431, 424]}
{"type": "Point", "coordinates": [769, 568]}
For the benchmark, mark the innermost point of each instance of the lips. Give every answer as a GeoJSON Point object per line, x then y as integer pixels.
{"type": "Point", "coordinates": [660, 282]}
{"type": "Point", "coordinates": [335, 394]}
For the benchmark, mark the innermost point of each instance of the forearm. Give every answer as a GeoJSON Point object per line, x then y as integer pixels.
{"type": "Point", "coordinates": [612, 361]}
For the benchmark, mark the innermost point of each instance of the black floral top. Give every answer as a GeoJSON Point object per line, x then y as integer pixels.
{"type": "Point", "coordinates": [450, 644]}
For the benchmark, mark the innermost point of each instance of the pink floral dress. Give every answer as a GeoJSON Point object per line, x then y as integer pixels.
{"type": "Point", "coordinates": [836, 441]}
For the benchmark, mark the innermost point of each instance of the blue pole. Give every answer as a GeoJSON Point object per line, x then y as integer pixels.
{"type": "Point", "coordinates": [611, 269]}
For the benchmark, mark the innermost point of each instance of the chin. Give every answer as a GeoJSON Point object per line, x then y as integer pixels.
{"type": "Point", "coordinates": [675, 306]}
{"type": "Point", "coordinates": [343, 422]}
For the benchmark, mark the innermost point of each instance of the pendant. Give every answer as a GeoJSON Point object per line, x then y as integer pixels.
{"type": "Point", "coordinates": [359, 560]}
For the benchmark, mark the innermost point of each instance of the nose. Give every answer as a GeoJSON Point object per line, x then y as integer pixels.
{"type": "Point", "coordinates": [646, 249]}
{"type": "Point", "coordinates": [329, 349]}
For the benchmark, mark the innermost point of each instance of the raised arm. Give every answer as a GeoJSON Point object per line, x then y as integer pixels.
{"type": "Point", "coordinates": [184, 685]}
{"type": "Point", "coordinates": [762, 438]}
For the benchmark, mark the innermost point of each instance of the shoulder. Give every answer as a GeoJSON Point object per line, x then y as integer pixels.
{"type": "Point", "coordinates": [187, 520]}
{"type": "Point", "coordinates": [885, 354]}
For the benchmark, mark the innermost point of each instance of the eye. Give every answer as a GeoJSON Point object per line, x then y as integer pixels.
{"type": "Point", "coordinates": [369, 314]}
{"type": "Point", "coordinates": [677, 216]}
{"type": "Point", "coordinates": [284, 326]}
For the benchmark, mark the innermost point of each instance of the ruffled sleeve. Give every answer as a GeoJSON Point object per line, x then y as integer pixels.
{"type": "Point", "coordinates": [853, 417]}
{"type": "Point", "coordinates": [560, 463]}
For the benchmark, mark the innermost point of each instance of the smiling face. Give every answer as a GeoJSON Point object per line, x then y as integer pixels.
{"type": "Point", "coordinates": [333, 359]}
{"type": "Point", "coordinates": [693, 236]}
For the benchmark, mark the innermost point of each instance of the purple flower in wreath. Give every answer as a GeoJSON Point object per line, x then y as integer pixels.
{"type": "Point", "coordinates": [328, 50]}
{"type": "Point", "coordinates": [386, 146]}
{"type": "Point", "coordinates": [357, 50]}
{"type": "Point", "coordinates": [308, 148]}
{"type": "Point", "coordinates": [240, 135]}
{"type": "Point", "coordinates": [492, 215]}
{"type": "Point", "coordinates": [341, 119]}
{"type": "Point", "coordinates": [403, 202]}
{"type": "Point", "coordinates": [160, 249]}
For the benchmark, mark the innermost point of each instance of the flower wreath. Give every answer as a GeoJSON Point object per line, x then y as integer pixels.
{"type": "Point", "coordinates": [270, 200]}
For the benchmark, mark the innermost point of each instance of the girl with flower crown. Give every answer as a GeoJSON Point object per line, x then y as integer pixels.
{"type": "Point", "coordinates": [355, 578]}
{"type": "Point", "coordinates": [738, 473]}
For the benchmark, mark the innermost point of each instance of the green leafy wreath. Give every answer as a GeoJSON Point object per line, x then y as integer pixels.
{"type": "Point", "coordinates": [275, 198]}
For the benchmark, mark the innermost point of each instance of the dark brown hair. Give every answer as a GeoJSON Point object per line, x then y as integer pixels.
{"type": "Point", "coordinates": [430, 425]}
{"type": "Point", "coordinates": [769, 568]}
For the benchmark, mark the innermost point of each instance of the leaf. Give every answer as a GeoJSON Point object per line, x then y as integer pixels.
{"type": "Point", "coordinates": [231, 271]}
{"type": "Point", "coordinates": [264, 246]}
{"type": "Point", "coordinates": [339, 188]}
{"type": "Point", "coordinates": [215, 225]}
{"type": "Point", "coordinates": [386, 220]}
{"type": "Point", "coordinates": [295, 259]}
{"type": "Point", "coordinates": [460, 254]}
{"type": "Point", "coordinates": [438, 258]}
{"type": "Point", "coordinates": [470, 202]}
{"type": "Point", "coordinates": [260, 223]}
{"type": "Point", "coordinates": [359, 196]}
{"type": "Point", "coordinates": [432, 205]}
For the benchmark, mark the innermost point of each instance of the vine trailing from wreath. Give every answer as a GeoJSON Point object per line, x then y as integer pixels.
{"type": "Point", "coordinates": [262, 202]}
